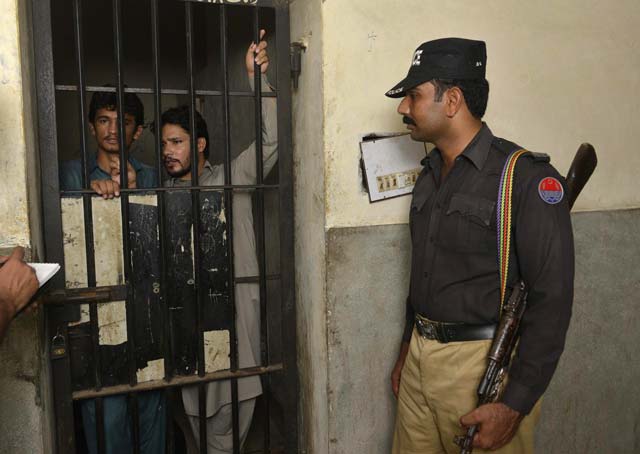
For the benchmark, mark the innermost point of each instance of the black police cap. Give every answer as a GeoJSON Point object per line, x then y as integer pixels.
{"type": "Point", "coordinates": [446, 58]}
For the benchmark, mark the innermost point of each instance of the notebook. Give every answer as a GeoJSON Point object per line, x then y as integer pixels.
{"type": "Point", "coordinates": [44, 271]}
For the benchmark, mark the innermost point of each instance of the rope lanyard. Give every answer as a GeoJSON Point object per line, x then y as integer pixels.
{"type": "Point", "coordinates": [503, 219]}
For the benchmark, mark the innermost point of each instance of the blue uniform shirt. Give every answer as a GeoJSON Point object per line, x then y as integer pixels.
{"type": "Point", "coordinates": [71, 173]}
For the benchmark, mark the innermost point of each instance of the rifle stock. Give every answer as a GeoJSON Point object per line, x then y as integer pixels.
{"type": "Point", "coordinates": [581, 169]}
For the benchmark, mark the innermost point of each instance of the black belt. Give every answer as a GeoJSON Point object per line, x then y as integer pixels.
{"type": "Point", "coordinates": [444, 332]}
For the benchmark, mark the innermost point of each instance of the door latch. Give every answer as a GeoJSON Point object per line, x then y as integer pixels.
{"type": "Point", "coordinates": [296, 61]}
{"type": "Point", "coordinates": [86, 295]}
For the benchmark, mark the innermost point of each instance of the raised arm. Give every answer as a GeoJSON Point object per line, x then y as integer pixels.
{"type": "Point", "coordinates": [244, 166]}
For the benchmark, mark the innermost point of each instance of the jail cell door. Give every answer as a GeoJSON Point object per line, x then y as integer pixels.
{"type": "Point", "coordinates": [165, 149]}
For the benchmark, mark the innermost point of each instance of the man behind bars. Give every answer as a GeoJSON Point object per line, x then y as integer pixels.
{"type": "Point", "coordinates": [176, 151]}
{"type": "Point", "coordinates": [104, 177]}
{"type": "Point", "coordinates": [454, 295]}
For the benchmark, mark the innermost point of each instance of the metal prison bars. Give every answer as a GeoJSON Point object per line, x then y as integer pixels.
{"type": "Point", "coordinates": [170, 380]}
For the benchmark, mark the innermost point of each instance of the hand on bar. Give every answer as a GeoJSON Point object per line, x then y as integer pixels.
{"type": "Point", "coordinates": [258, 54]}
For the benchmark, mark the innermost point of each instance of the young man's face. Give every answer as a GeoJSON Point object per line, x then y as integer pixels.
{"type": "Point", "coordinates": [176, 150]}
{"type": "Point", "coordinates": [428, 115]}
{"type": "Point", "coordinates": [105, 130]}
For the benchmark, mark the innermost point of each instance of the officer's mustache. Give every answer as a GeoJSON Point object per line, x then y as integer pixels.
{"type": "Point", "coordinates": [408, 121]}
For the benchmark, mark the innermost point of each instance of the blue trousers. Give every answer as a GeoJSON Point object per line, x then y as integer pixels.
{"type": "Point", "coordinates": [117, 424]}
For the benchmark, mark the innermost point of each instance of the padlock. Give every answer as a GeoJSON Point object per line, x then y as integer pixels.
{"type": "Point", "coordinates": [58, 347]}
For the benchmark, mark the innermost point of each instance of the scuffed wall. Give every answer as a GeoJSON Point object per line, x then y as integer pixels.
{"type": "Point", "coordinates": [593, 400]}
{"type": "Point", "coordinates": [309, 206]}
{"type": "Point", "coordinates": [23, 375]}
{"type": "Point", "coordinates": [592, 403]}
{"type": "Point", "coordinates": [367, 268]}
{"type": "Point", "coordinates": [21, 400]}
{"type": "Point", "coordinates": [14, 224]}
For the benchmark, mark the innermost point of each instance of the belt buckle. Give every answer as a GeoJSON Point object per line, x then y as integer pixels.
{"type": "Point", "coordinates": [428, 330]}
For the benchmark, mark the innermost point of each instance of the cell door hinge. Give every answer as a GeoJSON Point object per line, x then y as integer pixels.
{"type": "Point", "coordinates": [297, 48]}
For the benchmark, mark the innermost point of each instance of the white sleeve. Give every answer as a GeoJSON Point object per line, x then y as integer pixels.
{"type": "Point", "coordinates": [243, 167]}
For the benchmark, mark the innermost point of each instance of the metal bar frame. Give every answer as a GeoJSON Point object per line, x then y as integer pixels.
{"type": "Point", "coordinates": [88, 222]}
{"type": "Point", "coordinates": [52, 221]}
{"type": "Point", "coordinates": [124, 213]}
{"type": "Point", "coordinates": [165, 91]}
{"type": "Point", "coordinates": [169, 189]}
{"type": "Point", "coordinates": [260, 231]}
{"type": "Point", "coordinates": [228, 203]}
{"type": "Point", "coordinates": [163, 252]}
{"type": "Point", "coordinates": [178, 381]}
{"type": "Point", "coordinates": [51, 206]}
{"type": "Point", "coordinates": [287, 270]}
{"type": "Point", "coordinates": [245, 3]}
{"type": "Point", "coordinates": [195, 218]}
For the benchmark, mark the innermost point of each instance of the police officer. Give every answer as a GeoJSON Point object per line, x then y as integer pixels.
{"type": "Point", "coordinates": [454, 292]}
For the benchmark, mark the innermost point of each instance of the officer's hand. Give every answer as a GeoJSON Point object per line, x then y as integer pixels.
{"type": "Point", "coordinates": [397, 369]}
{"type": "Point", "coordinates": [497, 424]}
{"type": "Point", "coordinates": [258, 54]}
{"type": "Point", "coordinates": [18, 282]}
{"type": "Point", "coordinates": [108, 189]}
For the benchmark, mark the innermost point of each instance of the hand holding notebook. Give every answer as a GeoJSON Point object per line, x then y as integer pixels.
{"type": "Point", "coordinates": [18, 284]}
{"type": "Point", "coordinates": [44, 271]}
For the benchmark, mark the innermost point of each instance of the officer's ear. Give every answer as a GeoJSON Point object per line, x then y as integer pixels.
{"type": "Point", "coordinates": [454, 100]}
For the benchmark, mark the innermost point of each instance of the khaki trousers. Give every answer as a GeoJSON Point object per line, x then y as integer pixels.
{"type": "Point", "coordinates": [438, 385]}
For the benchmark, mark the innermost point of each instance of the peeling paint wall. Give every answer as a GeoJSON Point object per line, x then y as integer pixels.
{"type": "Point", "coordinates": [24, 393]}
{"type": "Point", "coordinates": [13, 157]}
{"type": "Point", "coordinates": [22, 404]}
{"type": "Point", "coordinates": [309, 193]}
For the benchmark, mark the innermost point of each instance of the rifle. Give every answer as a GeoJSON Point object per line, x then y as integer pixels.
{"type": "Point", "coordinates": [506, 337]}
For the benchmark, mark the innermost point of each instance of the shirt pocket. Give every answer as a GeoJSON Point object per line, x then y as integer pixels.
{"type": "Point", "coordinates": [418, 218]}
{"type": "Point", "coordinates": [468, 224]}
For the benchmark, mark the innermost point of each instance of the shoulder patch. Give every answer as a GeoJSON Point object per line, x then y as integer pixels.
{"type": "Point", "coordinates": [550, 190]}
